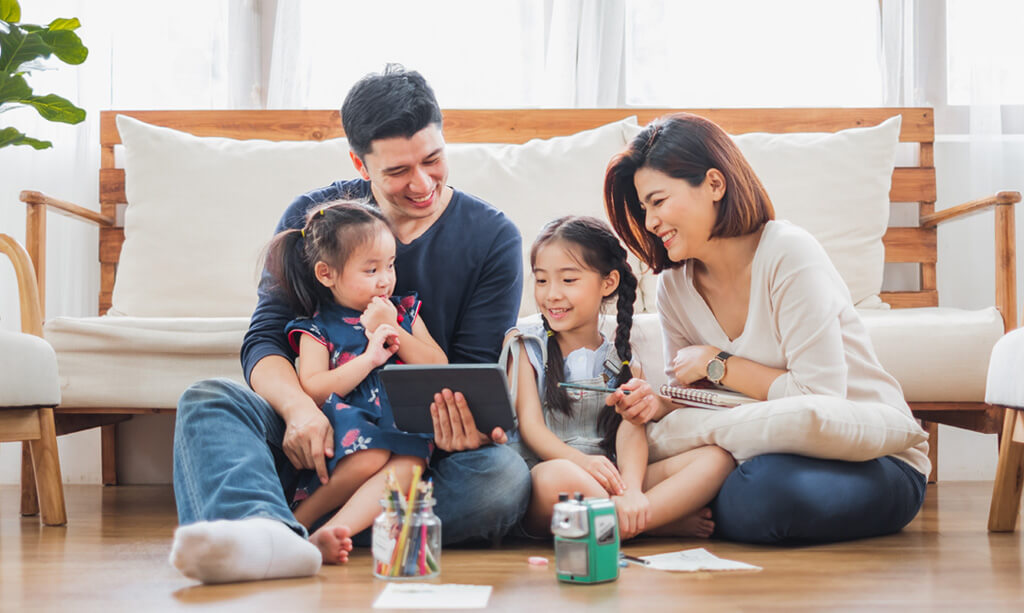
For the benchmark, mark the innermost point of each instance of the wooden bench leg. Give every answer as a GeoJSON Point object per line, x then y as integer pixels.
{"type": "Point", "coordinates": [932, 428]}
{"type": "Point", "coordinates": [29, 500]}
{"type": "Point", "coordinates": [108, 448]}
{"type": "Point", "coordinates": [1009, 483]}
{"type": "Point", "coordinates": [47, 468]}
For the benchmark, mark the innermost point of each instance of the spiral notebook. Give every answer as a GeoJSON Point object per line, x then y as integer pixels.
{"type": "Point", "coordinates": [704, 398]}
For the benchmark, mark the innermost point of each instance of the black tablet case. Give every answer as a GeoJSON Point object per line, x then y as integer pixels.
{"type": "Point", "coordinates": [410, 389]}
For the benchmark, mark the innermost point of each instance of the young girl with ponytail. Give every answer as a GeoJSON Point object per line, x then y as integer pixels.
{"type": "Point", "coordinates": [576, 440]}
{"type": "Point", "coordinates": [338, 271]}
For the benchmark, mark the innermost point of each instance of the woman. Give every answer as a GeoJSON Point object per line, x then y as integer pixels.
{"type": "Point", "coordinates": [755, 305]}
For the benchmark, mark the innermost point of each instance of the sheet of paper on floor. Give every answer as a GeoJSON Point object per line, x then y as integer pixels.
{"type": "Point", "coordinates": [433, 596]}
{"type": "Point", "coordinates": [692, 560]}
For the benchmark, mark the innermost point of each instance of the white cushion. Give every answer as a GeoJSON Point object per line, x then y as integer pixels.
{"type": "Point", "coordinates": [541, 180]}
{"type": "Point", "coordinates": [937, 354]}
{"type": "Point", "coordinates": [1005, 385]}
{"type": "Point", "coordinates": [142, 362]}
{"type": "Point", "coordinates": [28, 371]}
{"type": "Point", "coordinates": [200, 211]}
{"type": "Point", "coordinates": [814, 426]}
{"type": "Point", "coordinates": [836, 186]}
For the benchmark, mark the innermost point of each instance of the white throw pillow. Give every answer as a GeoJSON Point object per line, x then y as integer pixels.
{"type": "Point", "coordinates": [814, 426]}
{"type": "Point", "coordinates": [836, 186]}
{"type": "Point", "coordinates": [200, 212]}
{"type": "Point", "coordinates": [541, 180]}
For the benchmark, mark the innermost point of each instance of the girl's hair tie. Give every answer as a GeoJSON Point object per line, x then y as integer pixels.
{"type": "Point", "coordinates": [322, 211]}
{"type": "Point", "coordinates": [625, 362]}
{"type": "Point", "coordinates": [551, 333]}
{"type": "Point", "coordinates": [303, 232]}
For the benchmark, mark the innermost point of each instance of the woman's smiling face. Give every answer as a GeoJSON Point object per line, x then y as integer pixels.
{"type": "Point", "coordinates": [679, 214]}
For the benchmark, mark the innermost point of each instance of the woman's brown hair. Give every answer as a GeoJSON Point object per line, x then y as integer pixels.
{"type": "Point", "coordinates": [685, 147]}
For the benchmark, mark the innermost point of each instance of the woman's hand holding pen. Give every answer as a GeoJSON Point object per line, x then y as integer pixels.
{"type": "Point", "coordinates": [639, 406]}
{"type": "Point", "coordinates": [634, 511]}
{"type": "Point", "coordinates": [602, 469]}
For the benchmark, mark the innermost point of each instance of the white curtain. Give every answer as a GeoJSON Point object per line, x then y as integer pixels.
{"type": "Point", "coordinates": [187, 54]}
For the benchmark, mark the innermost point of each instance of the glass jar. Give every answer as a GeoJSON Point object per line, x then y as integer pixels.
{"type": "Point", "coordinates": [407, 545]}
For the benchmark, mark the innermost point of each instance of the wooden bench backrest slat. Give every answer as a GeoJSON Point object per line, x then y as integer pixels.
{"type": "Point", "coordinates": [909, 184]}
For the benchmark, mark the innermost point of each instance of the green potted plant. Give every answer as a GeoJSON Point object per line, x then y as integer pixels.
{"type": "Point", "coordinates": [23, 47]}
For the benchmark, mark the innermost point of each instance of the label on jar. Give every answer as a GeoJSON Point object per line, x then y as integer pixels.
{"type": "Point", "coordinates": [383, 545]}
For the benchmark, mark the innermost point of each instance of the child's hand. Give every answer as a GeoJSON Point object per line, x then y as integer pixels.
{"type": "Point", "coordinates": [634, 511]}
{"type": "Point", "coordinates": [383, 344]}
{"type": "Point", "coordinates": [602, 469]}
{"type": "Point", "coordinates": [639, 406]}
{"type": "Point", "coordinates": [379, 312]}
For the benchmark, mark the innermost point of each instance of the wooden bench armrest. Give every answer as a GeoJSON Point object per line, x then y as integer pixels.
{"type": "Point", "coordinates": [38, 204]}
{"type": "Point", "coordinates": [1005, 244]}
{"type": "Point", "coordinates": [969, 208]}
{"type": "Point", "coordinates": [28, 292]}
{"type": "Point", "coordinates": [68, 209]}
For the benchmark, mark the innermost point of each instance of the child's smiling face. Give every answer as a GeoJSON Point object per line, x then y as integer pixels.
{"type": "Point", "coordinates": [568, 293]}
{"type": "Point", "coordinates": [368, 272]}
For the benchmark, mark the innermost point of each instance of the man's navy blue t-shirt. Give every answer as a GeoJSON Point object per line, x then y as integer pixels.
{"type": "Point", "coordinates": [467, 269]}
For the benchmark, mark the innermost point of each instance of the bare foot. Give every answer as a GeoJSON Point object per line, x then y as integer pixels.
{"type": "Point", "coordinates": [699, 524]}
{"type": "Point", "coordinates": [334, 543]}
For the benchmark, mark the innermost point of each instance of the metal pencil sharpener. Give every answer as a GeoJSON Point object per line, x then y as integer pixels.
{"type": "Point", "coordinates": [586, 539]}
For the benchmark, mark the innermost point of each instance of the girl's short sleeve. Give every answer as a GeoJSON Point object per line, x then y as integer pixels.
{"type": "Point", "coordinates": [305, 325]}
{"type": "Point", "coordinates": [408, 307]}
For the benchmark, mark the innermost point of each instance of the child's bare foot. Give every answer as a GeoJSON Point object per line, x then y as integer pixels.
{"type": "Point", "coordinates": [699, 524]}
{"type": "Point", "coordinates": [334, 543]}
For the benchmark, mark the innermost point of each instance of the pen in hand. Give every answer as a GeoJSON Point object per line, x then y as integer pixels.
{"type": "Point", "coordinates": [592, 388]}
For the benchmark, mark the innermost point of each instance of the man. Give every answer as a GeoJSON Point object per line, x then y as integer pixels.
{"type": "Point", "coordinates": [236, 450]}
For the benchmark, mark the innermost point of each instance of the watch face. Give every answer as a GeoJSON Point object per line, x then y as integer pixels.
{"type": "Point", "coordinates": [716, 370]}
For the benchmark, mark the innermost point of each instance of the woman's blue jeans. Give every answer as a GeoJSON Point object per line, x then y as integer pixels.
{"type": "Point", "coordinates": [790, 499]}
{"type": "Point", "coordinates": [228, 464]}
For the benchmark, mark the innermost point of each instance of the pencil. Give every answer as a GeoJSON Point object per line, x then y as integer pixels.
{"type": "Point", "coordinates": [404, 536]}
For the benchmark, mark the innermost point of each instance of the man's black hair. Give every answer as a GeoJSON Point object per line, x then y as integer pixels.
{"type": "Point", "coordinates": [395, 102]}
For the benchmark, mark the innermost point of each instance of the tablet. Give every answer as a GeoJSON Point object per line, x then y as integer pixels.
{"type": "Point", "coordinates": [411, 387]}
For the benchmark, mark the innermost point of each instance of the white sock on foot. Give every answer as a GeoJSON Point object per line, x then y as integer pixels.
{"type": "Point", "coordinates": [251, 549]}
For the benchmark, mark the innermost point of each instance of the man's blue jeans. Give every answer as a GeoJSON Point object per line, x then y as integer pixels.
{"type": "Point", "coordinates": [228, 464]}
{"type": "Point", "coordinates": [790, 499]}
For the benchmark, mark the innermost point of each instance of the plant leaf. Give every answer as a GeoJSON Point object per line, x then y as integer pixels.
{"type": "Point", "coordinates": [11, 136]}
{"type": "Point", "coordinates": [13, 88]}
{"type": "Point", "coordinates": [10, 11]}
{"type": "Point", "coordinates": [64, 24]}
{"type": "Point", "coordinates": [54, 108]}
{"type": "Point", "coordinates": [66, 45]}
{"type": "Point", "coordinates": [18, 47]}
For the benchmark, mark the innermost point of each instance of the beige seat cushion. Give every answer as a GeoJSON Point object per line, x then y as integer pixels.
{"type": "Point", "coordinates": [1005, 385]}
{"type": "Point", "coordinates": [142, 362]}
{"type": "Point", "coordinates": [28, 371]}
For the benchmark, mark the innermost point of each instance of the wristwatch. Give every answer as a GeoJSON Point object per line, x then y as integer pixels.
{"type": "Point", "coordinates": [716, 367]}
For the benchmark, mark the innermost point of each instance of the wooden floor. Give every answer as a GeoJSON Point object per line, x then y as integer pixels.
{"type": "Point", "coordinates": [112, 556]}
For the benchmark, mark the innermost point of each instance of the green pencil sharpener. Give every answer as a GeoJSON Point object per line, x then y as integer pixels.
{"type": "Point", "coordinates": [586, 539]}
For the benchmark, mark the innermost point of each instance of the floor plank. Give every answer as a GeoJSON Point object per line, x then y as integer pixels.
{"type": "Point", "coordinates": [112, 556]}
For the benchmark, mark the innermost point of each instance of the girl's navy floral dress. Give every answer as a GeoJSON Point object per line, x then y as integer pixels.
{"type": "Point", "coordinates": [363, 418]}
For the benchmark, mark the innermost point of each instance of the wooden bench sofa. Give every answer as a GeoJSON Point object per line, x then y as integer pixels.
{"type": "Point", "coordinates": [913, 183]}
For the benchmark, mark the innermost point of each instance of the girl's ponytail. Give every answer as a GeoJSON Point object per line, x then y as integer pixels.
{"type": "Point", "coordinates": [554, 372]}
{"type": "Point", "coordinates": [609, 420]}
{"type": "Point", "coordinates": [292, 274]}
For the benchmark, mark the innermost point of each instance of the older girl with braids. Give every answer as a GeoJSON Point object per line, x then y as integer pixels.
{"type": "Point", "coordinates": [576, 440]}
{"type": "Point", "coordinates": [339, 271]}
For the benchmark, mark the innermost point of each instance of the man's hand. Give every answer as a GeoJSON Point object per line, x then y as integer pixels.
{"type": "Point", "coordinates": [454, 427]}
{"type": "Point", "coordinates": [604, 471]}
{"type": "Point", "coordinates": [691, 363]}
{"type": "Point", "coordinates": [634, 511]}
{"type": "Point", "coordinates": [309, 438]}
{"type": "Point", "coordinates": [639, 406]}
{"type": "Point", "coordinates": [380, 311]}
